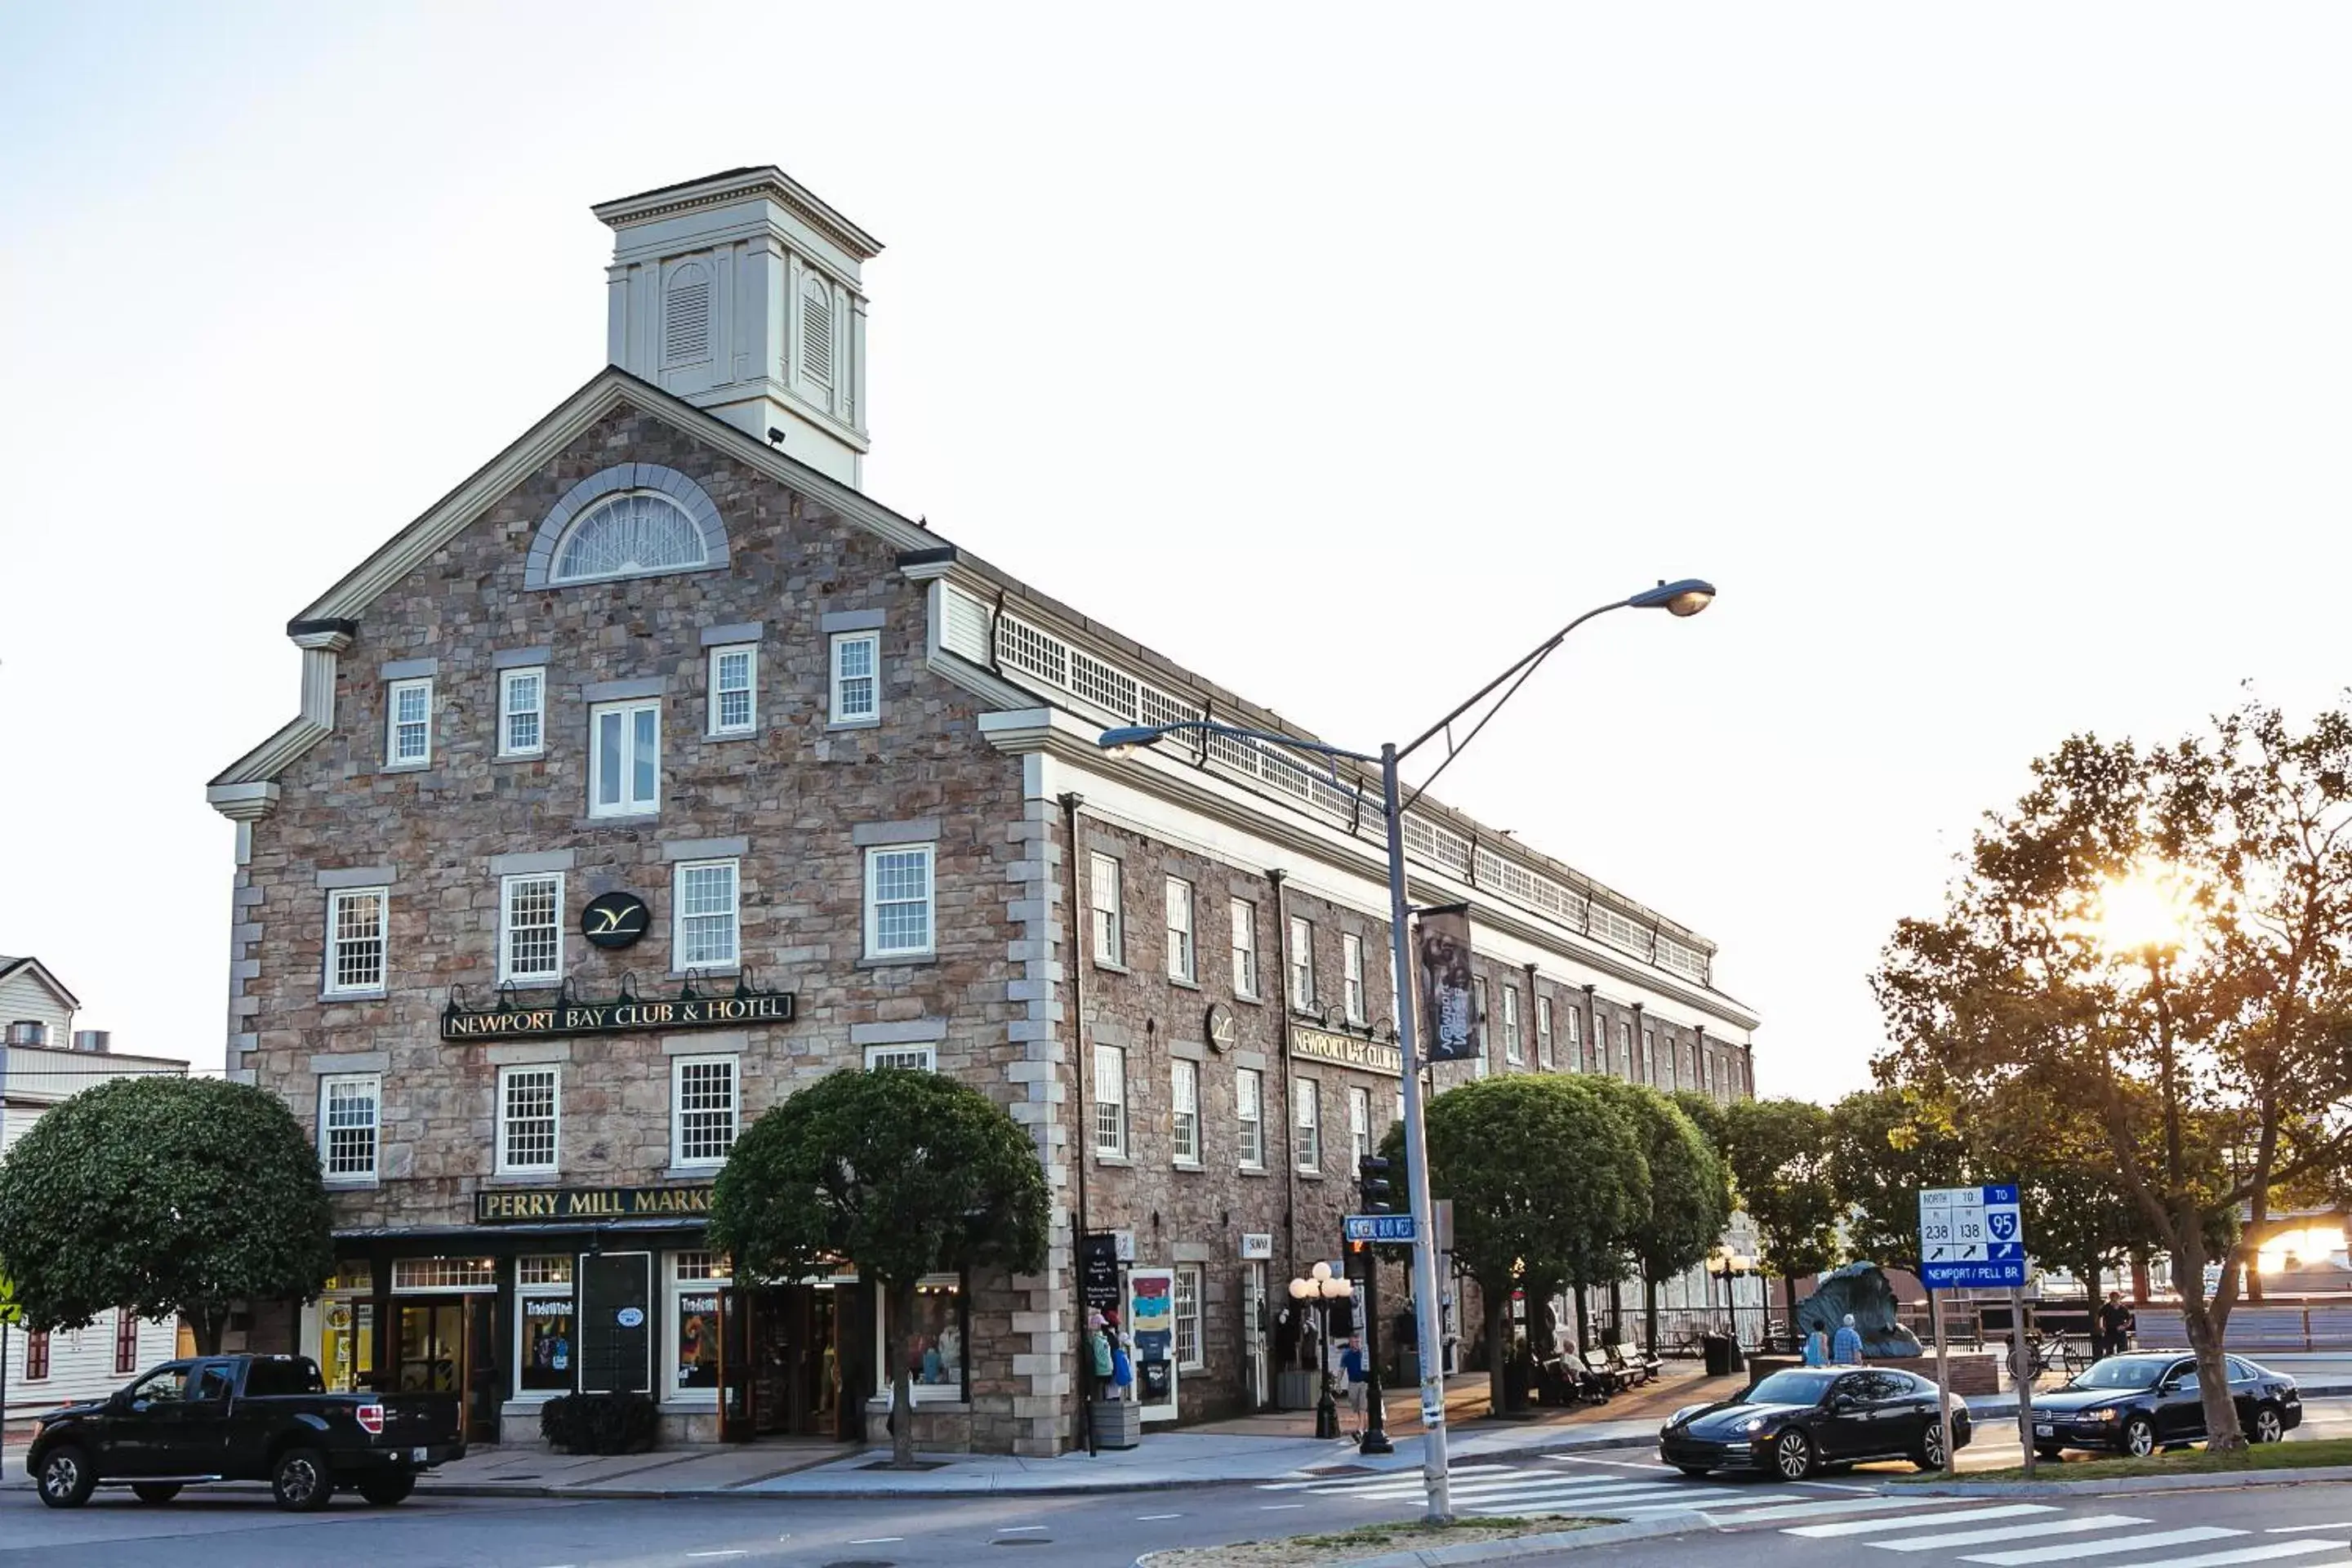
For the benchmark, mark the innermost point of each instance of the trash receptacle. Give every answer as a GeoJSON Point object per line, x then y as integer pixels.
{"type": "Point", "coordinates": [1154, 1379]}
{"type": "Point", "coordinates": [1715, 1349]}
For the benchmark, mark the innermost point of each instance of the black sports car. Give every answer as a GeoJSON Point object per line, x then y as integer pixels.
{"type": "Point", "coordinates": [1794, 1422]}
{"type": "Point", "coordinates": [2149, 1400]}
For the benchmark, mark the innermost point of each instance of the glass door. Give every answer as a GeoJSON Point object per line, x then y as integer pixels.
{"type": "Point", "coordinates": [738, 1390]}
{"type": "Point", "coordinates": [432, 1344]}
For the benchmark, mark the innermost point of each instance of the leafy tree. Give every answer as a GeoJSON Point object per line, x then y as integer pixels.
{"type": "Point", "coordinates": [1779, 1165]}
{"type": "Point", "coordinates": [905, 1174]}
{"type": "Point", "coordinates": [1687, 1201]}
{"type": "Point", "coordinates": [1885, 1145]}
{"type": "Point", "coordinates": [1547, 1175]}
{"type": "Point", "coordinates": [166, 1196]}
{"type": "Point", "coordinates": [2161, 935]}
{"type": "Point", "coordinates": [1711, 1118]}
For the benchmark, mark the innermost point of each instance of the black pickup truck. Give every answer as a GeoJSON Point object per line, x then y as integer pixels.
{"type": "Point", "coordinates": [244, 1418]}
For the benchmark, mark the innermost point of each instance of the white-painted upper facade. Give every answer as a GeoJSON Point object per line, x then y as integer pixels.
{"type": "Point", "coordinates": [741, 294]}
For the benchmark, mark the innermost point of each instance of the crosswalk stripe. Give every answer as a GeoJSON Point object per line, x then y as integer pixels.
{"type": "Point", "coordinates": [2258, 1553]}
{"type": "Point", "coordinates": [2069, 1550]}
{"type": "Point", "coordinates": [1693, 1505]}
{"type": "Point", "coordinates": [1907, 1520]}
{"type": "Point", "coordinates": [1577, 1503]}
{"type": "Point", "coordinates": [2074, 1526]}
{"type": "Point", "coordinates": [1733, 1511]}
{"type": "Point", "coordinates": [1452, 1470]}
{"type": "Point", "coordinates": [1597, 1486]}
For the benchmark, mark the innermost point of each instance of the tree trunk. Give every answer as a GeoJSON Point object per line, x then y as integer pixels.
{"type": "Point", "coordinates": [1498, 1302]}
{"type": "Point", "coordinates": [1583, 1318]}
{"type": "Point", "coordinates": [2205, 1320]}
{"type": "Point", "coordinates": [902, 1392]}
{"type": "Point", "coordinates": [1650, 1311]}
{"type": "Point", "coordinates": [207, 1325]}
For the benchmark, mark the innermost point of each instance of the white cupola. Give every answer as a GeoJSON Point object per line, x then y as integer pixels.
{"type": "Point", "coordinates": [740, 293]}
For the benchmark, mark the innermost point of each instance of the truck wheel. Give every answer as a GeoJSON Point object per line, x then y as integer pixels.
{"type": "Point", "coordinates": [156, 1491]}
{"type": "Point", "coordinates": [66, 1478]}
{"type": "Point", "coordinates": [388, 1487]}
{"type": "Point", "coordinates": [301, 1482]}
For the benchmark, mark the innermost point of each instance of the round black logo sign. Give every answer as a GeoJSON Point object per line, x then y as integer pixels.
{"type": "Point", "coordinates": [1221, 1029]}
{"type": "Point", "coordinates": [614, 920]}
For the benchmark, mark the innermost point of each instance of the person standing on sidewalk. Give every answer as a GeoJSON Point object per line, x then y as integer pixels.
{"type": "Point", "coordinates": [2114, 1326]}
{"type": "Point", "coordinates": [1351, 1367]}
{"type": "Point", "coordinates": [1845, 1348]}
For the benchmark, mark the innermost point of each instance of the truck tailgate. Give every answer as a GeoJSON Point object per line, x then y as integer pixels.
{"type": "Point", "coordinates": [419, 1420]}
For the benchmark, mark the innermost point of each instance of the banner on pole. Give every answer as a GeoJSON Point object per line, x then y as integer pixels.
{"type": "Point", "coordinates": [1448, 1015]}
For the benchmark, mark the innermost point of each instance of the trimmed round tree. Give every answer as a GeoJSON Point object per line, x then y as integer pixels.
{"type": "Point", "coordinates": [166, 1196]}
{"type": "Point", "coordinates": [1688, 1202]}
{"type": "Point", "coordinates": [902, 1174]}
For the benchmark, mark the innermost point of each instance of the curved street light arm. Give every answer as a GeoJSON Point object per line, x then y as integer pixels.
{"type": "Point", "coordinates": [1535, 656]}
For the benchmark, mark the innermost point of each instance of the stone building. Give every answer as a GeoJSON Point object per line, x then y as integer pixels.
{"type": "Point", "coordinates": [657, 770]}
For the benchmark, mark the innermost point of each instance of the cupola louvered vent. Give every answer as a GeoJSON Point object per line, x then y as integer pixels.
{"type": "Point", "coordinates": [686, 326]}
{"type": "Point", "coordinates": [816, 335]}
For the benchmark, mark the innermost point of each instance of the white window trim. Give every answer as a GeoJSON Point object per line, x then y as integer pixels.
{"type": "Point", "coordinates": [1184, 940]}
{"type": "Point", "coordinates": [1241, 1158]}
{"type": "Point", "coordinates": [1300, 955]}
{"type": "Point", "coordinates": [506, 1167]}
{"type": "Point", "coordinates": [507, 974]}
{"type": "Point", "coordinates": [336, 898]}
{"type": "Point", "coordinates": [627, 806]}
{"type": "Point", "coordinates": [392, 691]}
{"type": "Point", "coordinates": [326, 1084]}
{"type": "Point", "coordinates": [928, 1057]}
{"type": "Point", "coordinates": [874, 855]}
{"type": "Point", "coordinates": [1112, 936]}
{"type": "Point", "coordinates": [1546, 1056]}
{"type": "Point", "coordinates": [835, 719]}
{"type": "Point", "coordinates": [1360, 1122]}
{"type": "Point", "coordinates": [677, 917]}
{"type": "Point", "coordinates": [1199, 1315]}
{"type": "Point", "coordinates": [1179, 1070]}
{"type": "Point", "coordinates": [524, 1293]}
{"type": "Point", "coordinates": [1515, 1049]}
{"type": "Point", "coordinates": [1116, 1150]}
{"type": "Point", "coordinates": [1306, 1116]}
{"type": "Point", "coordinates": [713, 729]}
{"type": "Point", "coordinates": [678, 1065]}
{"type": "Point", "coordinates": [1246, 955]}
{"type": "Point", "coordinates": [507, 710]}
{"type": "Point", "coordinates": [1351, 976]}
{"type": "Point", "coordinates": [674, 1290]}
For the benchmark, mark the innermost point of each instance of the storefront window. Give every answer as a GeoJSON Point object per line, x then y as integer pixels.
{"type": "Point", "coordinates": [547, 1336]}
{"type": "Point", "coordinates": [346, 1342]}
{"type": "Point", "coordinates": [934, 1341]}
{"type": "Point", "coordinates": [697, 1277]}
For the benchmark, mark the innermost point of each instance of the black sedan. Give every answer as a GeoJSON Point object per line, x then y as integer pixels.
{"type": "Point", "coordinates": [2149, 1400]}
{"type": "Point", "coordinates": [1795, 1422]}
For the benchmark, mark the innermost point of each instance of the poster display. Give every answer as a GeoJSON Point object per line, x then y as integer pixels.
{"type": "Point", "coordinates": [1448, 1015]}
{"type": "Point", "coordinates": [1151, 1329]}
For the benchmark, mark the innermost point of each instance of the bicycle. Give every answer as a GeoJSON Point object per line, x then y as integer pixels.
{"type": "Point", "coordinates": [2054, 1353]}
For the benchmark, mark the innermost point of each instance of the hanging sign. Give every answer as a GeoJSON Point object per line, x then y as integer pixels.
{"type": "Point", "coordinates": [509, 1206]}
{"type": "Point", "coordinates": [623, 1016]}
{"type": "Point", "coordinates": [1447, 1015]}
{"type": "Point", "coordinates": [614, 920]}
{"type": "Point", "coordinates": [1098, 1270]}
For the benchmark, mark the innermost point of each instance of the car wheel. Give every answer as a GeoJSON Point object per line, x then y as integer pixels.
{"type": "Point", "coordinates": [388, 1487]}
{"type": "Point", "coordinates": [2139, 1438]}
{"type": "Point", "coordinates": [2270, 1424]}
{"type": "Point", "coordinates": [301, 1482]}
{"type": "Point", "coordinates": [1930, 1456]}
{"type": "Point", "coordinates": [66, 1478]}
{"type": "Point", "coordinates": [156, 1491]}
{"type": "Point", "coordinates": [2051, 1455]}
{"type": "Point", "coordinates": [1792, 1456]}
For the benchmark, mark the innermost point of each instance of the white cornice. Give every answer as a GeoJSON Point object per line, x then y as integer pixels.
{"type": "Point", "coordinates": [243, 802]}
{"type": "Point", "coordinates": [1061, 734]}
{"type": "Point", "coordinates": [770, 182]}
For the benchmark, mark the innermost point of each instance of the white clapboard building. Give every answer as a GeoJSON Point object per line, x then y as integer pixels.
{"type": "Point", "coordinates": [47, 1061]}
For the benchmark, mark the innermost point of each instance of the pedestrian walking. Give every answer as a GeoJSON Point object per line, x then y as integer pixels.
{"type": "Point", "coordinates": [1351, 1367]}
{"type": "Point", "coordinates": [2113, 1327]}
{"type": "Point", "coordinates": [1817, 1349]}
{"type": "Point", "coordinates": [1845, 1348]}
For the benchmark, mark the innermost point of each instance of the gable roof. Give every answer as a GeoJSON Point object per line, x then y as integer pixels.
{"type": "Point", "coordinates": [36, 969]}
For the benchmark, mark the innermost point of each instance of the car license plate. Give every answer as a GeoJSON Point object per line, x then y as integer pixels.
{"type": "Point", "coordinates": [2043, 1429]}
{"type": "Point", "coordinates": [416, 1455]}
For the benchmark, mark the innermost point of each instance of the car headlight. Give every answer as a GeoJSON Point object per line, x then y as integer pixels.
{"type": "Point", "coordinates": [2106, 1412]}
{"type": "Point", "coordinates": [1753, 1424]}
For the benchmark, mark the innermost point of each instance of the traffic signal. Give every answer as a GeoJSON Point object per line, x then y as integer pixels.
{"type": "Point", "coordinates": [1372, 1185]}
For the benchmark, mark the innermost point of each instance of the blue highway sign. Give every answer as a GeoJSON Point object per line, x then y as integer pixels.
{"type": "Point", "coordinates": [1971, 1236]}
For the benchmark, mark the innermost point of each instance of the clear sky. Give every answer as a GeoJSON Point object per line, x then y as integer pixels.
{"type": "Point", "coordinates": [1990, 358]}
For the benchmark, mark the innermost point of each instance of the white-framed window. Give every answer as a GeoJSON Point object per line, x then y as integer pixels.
{"type": "Point", "coordinates": [350, 1120]}
{"type": "Point", "coordinates": [547, 1335]}
{"type": "Point", "coordinates": [913, 1058]}
{"type": "Point", "coordinates": [528, 1114]}
{"type": "Point", "coordinates": [1189, 1357]}
{"type": "Point", "coordinates": [1649, 1055]}
{"type": "Point", "coordinates": [624, 758]}
{"type": "Point", "coordinates": [857, 678]}
{"type": "Point", "coordinates": [408, 722]}
{"type": "Point", "coordinates": [1306, 1128]}
{"type": "Point", "coordinates": [1184, 1110]}
{"type": "Point", "coordinates": [734, 689]}
{"type": "Point", "coordinates": [522, 713]}
{"type": "Point", "coordinates": [633, 534]}
{"type": "Point", "coordinates": [1110, 1101]}
{"type": "Point", "coordinates": [1543, 1032]}
{"type": "Point", "coordinates": [531, 928]}
{"type": "Point", "coordinates": [695, 1279]}
{"type": "Point", "coordinates": [1110, 926]}
{"type": "Point", "coordinates": [701, 1109]}
{"type": "Point", "coordinates": [1575, 1039]}
{"type": "Point", "coordinates": [1249, 1118]}
{"type": "Point", "coordinates": [704, 901]}
{"type": "Point", "coordinates": [1244, 948]}
{"type": "Point", "coordinates": [1359, 1122]}
{"type": "Point", "coordinates": [356, 918]}
{"type": "Point", "coordinates": [899, 913]}
{"type": "Point", "coordinates": [1625, 1049]}
{"type": "Point", "coordinates": [1180, 929]}
{"type": "Point", "coordinates": [1302, 965]}
{"type": "Point", "coordinates": [1515, 1049]}
{"type": "Point", "coordinates": [1351, 976]}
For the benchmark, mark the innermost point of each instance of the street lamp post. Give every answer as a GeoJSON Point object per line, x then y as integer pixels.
{"type": "Point", "coordinates": [1320, 1288]}
{"type": "Point", "coordinates": [1686, 597]}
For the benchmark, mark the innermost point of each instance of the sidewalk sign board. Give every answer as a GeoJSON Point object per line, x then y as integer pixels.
{"type": "Point", "coordinates": [1976, 1237]}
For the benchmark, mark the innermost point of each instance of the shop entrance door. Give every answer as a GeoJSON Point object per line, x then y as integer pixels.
{"type": "Point", "coordinates": [447, 1346]}
{"type": "Point", "coordinates": [791, 1339]}
{"type": "Point", "coordinates": [1255, 1351]}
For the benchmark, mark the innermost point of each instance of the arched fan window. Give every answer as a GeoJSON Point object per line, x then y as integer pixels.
{"type": "Point", "coordinates": [629, 535]}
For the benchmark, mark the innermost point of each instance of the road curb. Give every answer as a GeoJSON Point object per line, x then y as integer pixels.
{"type": "Point", "coordinates": [2199, 1480]}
